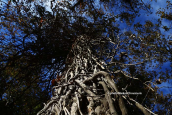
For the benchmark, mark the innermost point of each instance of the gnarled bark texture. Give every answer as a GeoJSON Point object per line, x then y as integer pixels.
{"type": "Point", "coordinates": [87, 88]}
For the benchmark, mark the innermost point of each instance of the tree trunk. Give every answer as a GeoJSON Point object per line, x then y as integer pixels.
{"type": "Point", "coordinates": [87, 88]}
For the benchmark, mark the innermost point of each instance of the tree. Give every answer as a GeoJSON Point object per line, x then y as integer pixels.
{"type": "Point", "coordinates": [43, 36]}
